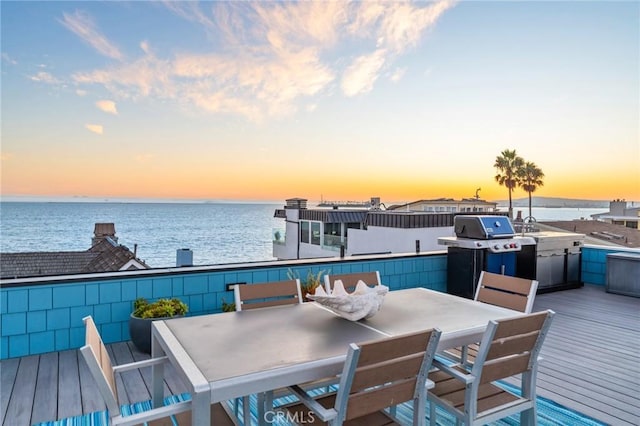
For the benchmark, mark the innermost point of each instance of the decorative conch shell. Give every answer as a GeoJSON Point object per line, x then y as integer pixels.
{"type": "Point", "coordinates": [364, 302]}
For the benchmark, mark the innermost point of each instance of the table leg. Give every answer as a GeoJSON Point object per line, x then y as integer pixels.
{"type": "Point", "coordinates": [201, 414]}
{"type": "Point", "coordinates": [157, 374]}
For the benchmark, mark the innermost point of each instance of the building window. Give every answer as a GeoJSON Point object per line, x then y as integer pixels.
{"type": "Point", "coordinates": [315, 233]}
{"type": "Point", "coordinates": [304, 232]}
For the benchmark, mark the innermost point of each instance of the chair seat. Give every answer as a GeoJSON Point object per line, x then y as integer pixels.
{"type": "Point", "coordinates": [219, 416]}
{"type": "Point", "coordinates": [304, 416]}
{"type": "Point", "coordinates": [456, 353]}
{"type": "Point", "coordinates": [451, 392]}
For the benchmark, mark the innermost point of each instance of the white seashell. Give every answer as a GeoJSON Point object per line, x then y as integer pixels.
{"type": "Point", "coordinates": [364, 302]}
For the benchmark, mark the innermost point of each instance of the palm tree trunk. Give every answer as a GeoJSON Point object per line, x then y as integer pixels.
{"type": "Point", "coordinates": [530, 214]}
{"type": "Point", "coordinates": [510, 205]}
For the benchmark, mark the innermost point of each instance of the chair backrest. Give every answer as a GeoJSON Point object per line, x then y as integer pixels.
{"type": "Point", "coordinates": [511, 346]}
{"type": "Point", "coordinates": [386, 372]}
{"type": "Point", "coordinates": [506, 291]}
{"type": "Point", "coordinates": [95, 354]}
{"type": "Point", "coordinates": [262, 295]}
{"type": "Point", "coordinates": [350, 280]}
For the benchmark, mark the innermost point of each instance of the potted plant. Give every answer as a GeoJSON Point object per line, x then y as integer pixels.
{"type": "Point", "coordinates": [309, 284]}
{"type": "Point", "coordinates": [144, 313]}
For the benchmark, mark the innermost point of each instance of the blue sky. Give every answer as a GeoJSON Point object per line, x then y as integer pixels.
{"type": "Point", "coordinates": [270, 100]}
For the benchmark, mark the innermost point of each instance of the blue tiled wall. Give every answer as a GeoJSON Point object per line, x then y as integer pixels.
{"type": "Point", "coordinates": [48, 317]}
{"type": "Point", "coordinates": [594, 263]}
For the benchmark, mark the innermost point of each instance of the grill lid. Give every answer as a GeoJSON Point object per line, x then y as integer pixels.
{"type": "Point", "coordinates": [483, 227]}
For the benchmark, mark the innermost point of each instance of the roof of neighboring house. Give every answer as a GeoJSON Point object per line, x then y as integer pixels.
{"type": "Point", "coordinates": [105, 256]}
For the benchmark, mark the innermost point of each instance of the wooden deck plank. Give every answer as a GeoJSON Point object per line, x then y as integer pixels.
{"type": "Point", "coordinates": [136, 389]}
{"type": "Point", "coordinates": [8, 371]}
{"type": "Point", "coordinates": [21, 402]}
{"type": "Point", "coordinates": [44, 406]}
{"type": "Point", "coordinates": [69, 400]}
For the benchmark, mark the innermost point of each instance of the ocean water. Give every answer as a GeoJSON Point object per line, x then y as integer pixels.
{"type": "Point", "coordinates": [217, 233]}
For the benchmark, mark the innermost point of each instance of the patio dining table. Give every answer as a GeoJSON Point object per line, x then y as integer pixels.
{"type": "Point", "coordinates": [229, 355]}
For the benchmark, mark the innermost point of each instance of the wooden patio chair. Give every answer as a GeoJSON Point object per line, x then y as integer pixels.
{"type": "Point", "coordinates": [509, 347]}
{"type": "Point", "coordinates": [350, 280]}
{"type": "Point", "coordinates": [377, 375]}
{"type": "Point", "coordinates": [95, 354]}
{"type": "Point", "coordinates": [263, 295]}
{"type": "Point", "coordinates": [499, 290]}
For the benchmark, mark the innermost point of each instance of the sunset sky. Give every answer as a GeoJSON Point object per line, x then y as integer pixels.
{"type": "Point", "coordinates": [345, 101]}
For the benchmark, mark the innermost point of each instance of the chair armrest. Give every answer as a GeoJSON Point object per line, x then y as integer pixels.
{"type": "Point", "coordinates": [139, 364]}
{"type": "Point", "coordinates": [153, 414]}
{"type": "Point", "coordinates": [323, 413]}
{"type": "Point", "coordinates": [465, 378]}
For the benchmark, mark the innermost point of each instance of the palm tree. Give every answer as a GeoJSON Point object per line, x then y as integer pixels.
{"type": "Point", "coordinates": [508, 163]}
{"type": "Point", "coordinates": [530, 177]}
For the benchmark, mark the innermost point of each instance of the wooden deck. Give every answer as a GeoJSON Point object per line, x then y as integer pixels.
{"type": "Point", "coordinates": [591, 364]}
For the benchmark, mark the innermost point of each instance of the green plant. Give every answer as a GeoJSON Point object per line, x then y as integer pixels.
{"type": "Point", "coordinates": [159, 309]}
{"type": "Point", "coordinates": [228, 307]}
{"type": "Point", "coordinates": [309, 284]}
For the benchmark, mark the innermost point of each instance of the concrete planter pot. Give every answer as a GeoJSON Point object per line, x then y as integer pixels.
{"type": "Point", "coordinates": [140, 331]}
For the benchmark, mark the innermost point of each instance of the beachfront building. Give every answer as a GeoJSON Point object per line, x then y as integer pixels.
{"type": "Point", "coordinates": [335, 231]}
{"type": "Point", "coordinates": [448, 205]}
{"type": "Point", "coordinates": [620, 213]}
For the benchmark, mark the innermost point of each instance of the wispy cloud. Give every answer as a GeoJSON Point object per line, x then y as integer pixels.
{"type": "Point", "coordinates": [95, 128]}
{"type": "Point", "coordinates": [6, 58]}
{"type": "Point", "coordinates": [271, 59]}
{"type": "Point", "coordinates": [362, 73]}
{"type": "Point", "coordinates": [44, 77]}
{"type": "Point", "coordinates": [83, 26]}
{"type": "Point", "coordinates": [397, 74]}
{"type": "Point", "coordinates": [107, 106]}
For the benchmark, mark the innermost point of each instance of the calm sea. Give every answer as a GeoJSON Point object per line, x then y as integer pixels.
{"type": "Point", "coordinates": [216, 232]}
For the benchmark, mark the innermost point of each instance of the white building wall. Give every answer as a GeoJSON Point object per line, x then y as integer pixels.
{"type": "Point", "coordinates": [395, 240]}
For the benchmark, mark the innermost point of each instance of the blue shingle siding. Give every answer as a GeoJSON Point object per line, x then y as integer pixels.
{"type": "Point", "coordinates": [144, 288]}
{"type": "Point", "coordinates": [41, 298]}
{"type": "Point", "coordinates": [121, 311]}
{"type": "Point", "coordinates": [162, 288]}
{"type": "Point", "coordinates": [14, 324]}
{"type": "Point", "coordinates": [36, 321]}
{"type": "Point", "coordinates": [58, 318]}
{"type": "Point", "coordinates": [216, 283]}
{"type": "Point", "coordinates": [177, 286]}
{"type": "Point", "coordinates": [47, 317]}
{"type": "Point", "coordinates": [18, 301]}
{"type": "Point", "coordinates": [92, 292]}
{"type": "Point", "coordinates": [101, 314]}
{"type": "Point", "coordinates": [18, 345]}
{"type": "Point", "coordinates": [41, 342]}
{"type": "Point", "coordinates": [110, 292]}
{"type": "Point", "coordinates": [195, 304]}
{"type": "Point", "coordinates": [195, 284]}
{"type": "Point", "coordinates": [62, 340]}
{"type": "Point", "coordinates": [111, 332]}
{"type": "Point", "coordinates": [66, 296]}
{"type": "Point", "coordinates": [128, 290]}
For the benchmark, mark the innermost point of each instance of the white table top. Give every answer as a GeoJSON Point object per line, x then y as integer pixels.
{"type": "Point", "coordinates": [239, 353]}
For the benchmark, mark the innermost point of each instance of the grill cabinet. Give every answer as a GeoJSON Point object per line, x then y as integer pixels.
{"type": "Point", "coordinates": [482, 243]}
